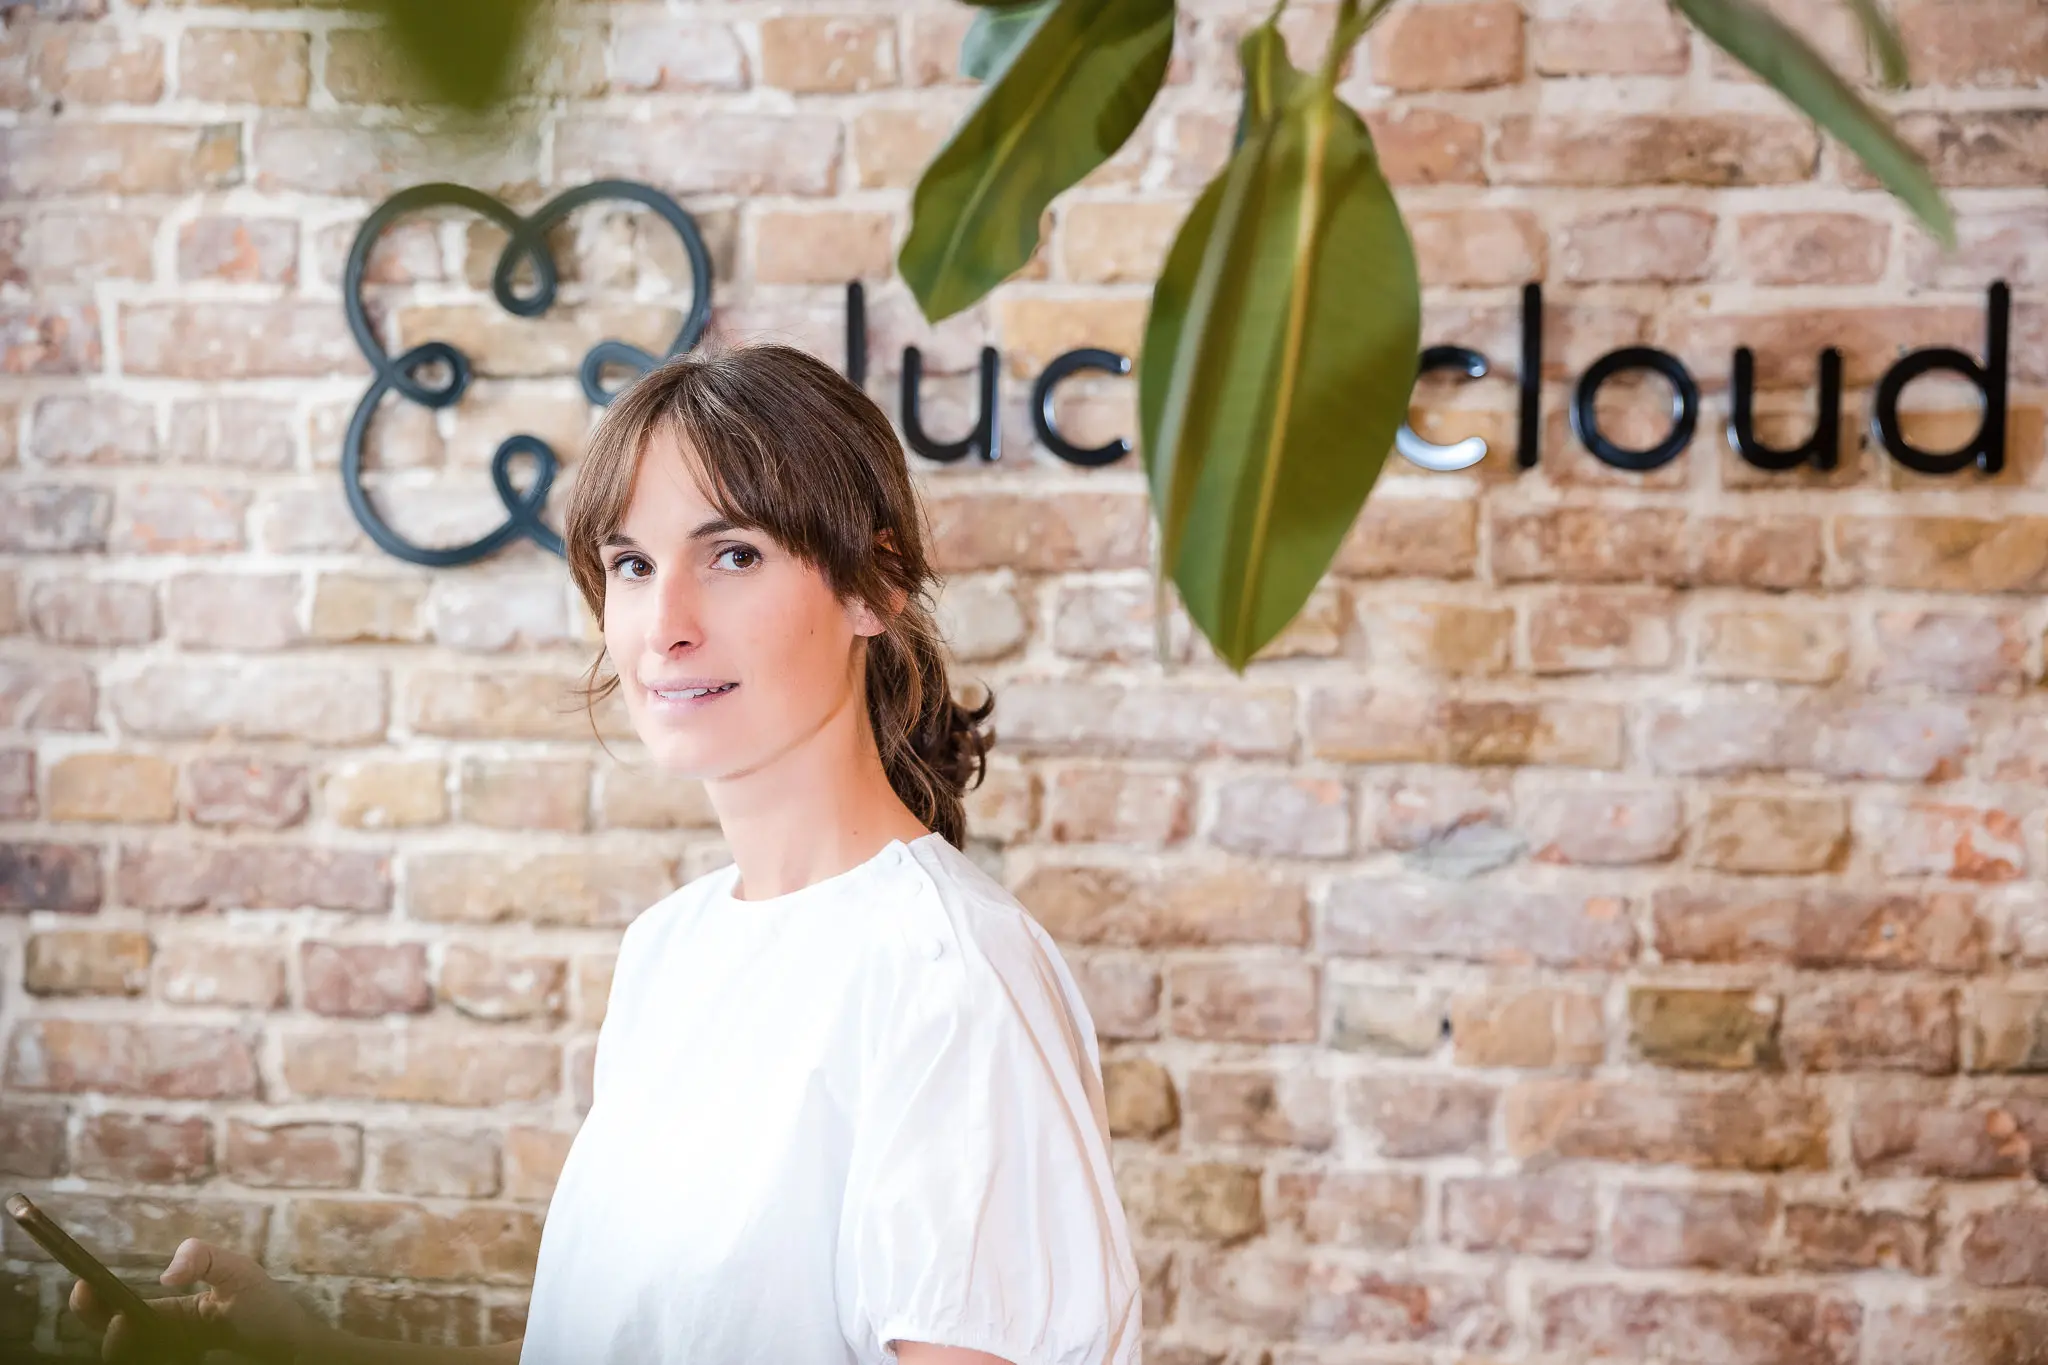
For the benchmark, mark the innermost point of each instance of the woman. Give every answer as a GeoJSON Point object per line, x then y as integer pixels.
{"type": "Point", "coordinates": [848, 1103]}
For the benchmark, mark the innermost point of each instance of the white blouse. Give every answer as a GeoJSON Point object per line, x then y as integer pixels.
{"type": "Point", "coordinates": [865, 1111]}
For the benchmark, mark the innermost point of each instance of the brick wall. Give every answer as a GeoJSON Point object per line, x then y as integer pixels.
{"type": "Point", "coordinates": [1611, 924]}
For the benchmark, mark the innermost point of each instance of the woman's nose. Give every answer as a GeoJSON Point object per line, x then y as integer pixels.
{"type": "Point", "coordinates": [676, 622]}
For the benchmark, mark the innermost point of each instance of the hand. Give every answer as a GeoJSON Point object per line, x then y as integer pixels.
{"type": "Point", "coordinates": [241, 1309]}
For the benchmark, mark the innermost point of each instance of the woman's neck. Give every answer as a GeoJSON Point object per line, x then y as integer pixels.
{"type": "Point", "coordinates": [820, 808]}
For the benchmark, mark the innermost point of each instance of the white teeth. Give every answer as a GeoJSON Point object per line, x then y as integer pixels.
{"type": "Point", "coordinates": [693, 692]}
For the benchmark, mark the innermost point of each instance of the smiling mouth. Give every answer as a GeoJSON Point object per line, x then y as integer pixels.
{"type": "Point", "coordinates": [694, 693]}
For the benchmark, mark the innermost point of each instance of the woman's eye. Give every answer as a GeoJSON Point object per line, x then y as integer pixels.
{"type": "Point", "coordinates": [738, 557]}
{"type": "Point", "coordinates": [619, 566]}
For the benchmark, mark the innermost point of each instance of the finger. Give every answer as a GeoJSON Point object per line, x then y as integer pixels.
{"type": "Point", "coordinates": [197, 1262]}
{"type": "Point", "coordinates": [86, 1307]}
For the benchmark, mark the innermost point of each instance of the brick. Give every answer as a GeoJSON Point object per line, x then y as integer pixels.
{"type": "Point", "coordinates": [1381, 1210]}
{"type": "Point", "coordinates": [1139, 1098]}
{"type": "Point", "coordinates": [1446, 819]}
{"type": "Point", "coordinates": [1208, 1200]}
{"type": "Point", "coordinates": [502, 346]}
{"type": "Point", "coordinates": [2006, 1248]}
{"type": "Point", "coordinates": [497, 988]}
{"type": "Point", "coordinates": [365, 980]}
{"type": "Point", "coordinates": [179, 519]}
{"type": "Point", "coordinates": [1527, 1028]}
{"type": "Point", "coordinates": [1268, 815]}
{"type": "Point", "coordinates": [1813, 248]}
{"type": "Point", "coordinates": [2008, 1031]}
{"type": "Point", "coordinates": [84, 612]}
{"type": "Point", "coordinates": [1950, 651]}
{"type": "Point", "coordinates": [1788, 1328]}
{"type": "Point", "coordinates": [1421, 1116]}
{"type": "Point", "coordinates": [1530, 1215]}
{"type": "Point", "coordinates": [18, 784]}
{"type": "Point", "coordinates": [814, 54]}
{"type": "Point", "coordinates": [164, 1061]}
{"type": "Point", "coordinates": [1757, 1127]}
{"type": "Point", "coordinates": [113, 787]}
{"type": "Point", "coordinates": [533, 1161]}
{"type": "Point", "coordinates": [1820, 927]}
{"type": "Point", "coordinates": [1117, 241]}
{"type": "Point", "coordinates": [1122, 995]}
{"type": "Point", "coordinates": [593, 988]}
{"type": "Point", "coordinates": [1901, 742]}
{"type": "Point", "coordinates": [1758, 833]}
{"type": "Point", "coordinates": [1389, 1021]}
{"type": "Point", "coordinates": [1986, 1139]}
{"type": "Point", "coordinates": [2002, 43]}
{"type": "Point", "coordinates": [1113, 623]}
{"type": "Point", "coordinates": [1951, 427]}
{"type": "Point", "coordinates": [1259, 1108]}
{"type": "Point", "coordinates": [168, 876]}
{"type": "Point", "coordinates": [212, 972]}
{"type": "Point", "coordinates": [1363, 725]}
{"type": "Point", "coordinates": [1604, 826]}
{"type": "Point", "coordinates": [83, 962]}
{"type": "Point", "coordinates": [891, 147]}
{"type": "Point", "coordinates": [244, 66]}
{"type": "Point", "coordinates": [345, 156]}
{"type": "Point", "coordinates": [1374, 916]}
{"type": "Point", "coordinates": [99, 429]}
{"type": "Point", "coordinates": [32, 1141]}
{"type": "Point", "coordinates": [1147, 721]}
{"type": "Point", "coordinates": [466, 1070]}
{"type": "Point", "coordinates": [1116, 804]}
{"type": "Point", "coordinates": [1945, 554]}
{"type": "Point", "coordinates": [576, 888]}
{"type": "Point", "coordinates": [145, 1149]}
{"type": "Point", "coordinates": [439, 1161]}
{"type": "Point", "coordinates": [49, 876]}
{"type": "Point", "coordinates": [506, 704]}
{"type": "Point", "coordinates": [1035, 329]}
{"type": "Point", "coordinates": [241, 250]}
{"type": "Point", "coordinates": [1246, 1001]}
{"type": "Point", "coordinates": [47, 695]}
{"type": "Point", "coordinates": [440, 1318]}
{"type": "Point", "coordinates": [60, 338]}
{"type": "Point", "coordinates": [326, 704]}
{"type": "Point", "coordinates": [730, 153]}
{"type": "Point", "coordinates": [981, 617]}
{"type": "Point", "coordinates": [1476, 248]}
{"type": "Point", "coordinates": [54, 519]}
{"type": "Point", "coordinates": [245, 791]}
{"type": "Point", "coordinates": [653, 54]}
{"type": "Point", "coordinates": [1667, 1229]}
{"type": "Point", "coordinates": [63, 247]}
{"type": "Point", "coordinates": [1653, 149]}
{"type": "Point", "coordinates": [1590, 545]}
{"type": "Point", "coordinates": [94, 66]}
{"type": "Point", "coordinates": [126, 1231]}
{"type": "Point", "coordinates": [1284, 1296]}
{"type": "Point", "coordinates": [293, 1155]}
{"type": "Point", "coordinates": [1942, 1334]}
{"type": "Point", "coordinates": [1453, 638]}
{"type": "Point", "coordinates": [254, 612]}
{"type": "Point", "coordinates": [1411, 537]}
{"type": "Point", "coordinates": [1944, 839]}
{"type": "Point", "coordinates": [1608, 38]}
{"type": "Point", "coordinates": [1465, 45]}
{"type": "Point", "coordinates": [1827, 1239]}
{"type": "Point", "coordinates": [2002, 244]}
{"type": "Point", "coordinates": [1586, 630]}
{"type": "Point", "coordinates": [364, 67]}
{"type": "Point", "coordinates": [119, 158]}
{"type": "Point", "coordinates": [525, 793]}
{"type": "Point", "coordinates": [374, 794]}
{"type": "Point", "coordinates": [1774, 646]}
{"type": "Point", "coordinates": [823, 247]}
{"type": "Point", "coordinates": [1786, 343]}
{"type": "Point", "coordinates": [1664, 245]}
{"type": "Point", "coordinates": [287, 339]}
{"type": "Point", "coordinates": [1419, 145]}
{"type": "Point", "coordinates": [383, 1237]}
{"type": "Point", "coordinates": [1719, 1030]}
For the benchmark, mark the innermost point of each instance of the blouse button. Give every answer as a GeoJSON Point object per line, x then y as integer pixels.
{"type": "Point", "coordinates": [934, 948]}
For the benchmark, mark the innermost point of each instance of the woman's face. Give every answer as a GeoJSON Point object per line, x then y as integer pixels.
{"type": "Point", "coordinates": [730, 651]}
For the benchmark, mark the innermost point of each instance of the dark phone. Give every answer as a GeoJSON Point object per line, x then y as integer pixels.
{"type": "Point", "coordinates": [160, 1338]}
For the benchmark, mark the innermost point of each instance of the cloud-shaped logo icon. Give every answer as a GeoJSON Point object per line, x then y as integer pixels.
{"type": "Point", "coordinates": [526, 239]}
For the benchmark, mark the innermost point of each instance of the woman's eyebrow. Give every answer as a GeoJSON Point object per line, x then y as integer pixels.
{"type": "Point", "coordinates": [717, 526]}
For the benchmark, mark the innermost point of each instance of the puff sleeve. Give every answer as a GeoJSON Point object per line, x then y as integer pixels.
{"type": "Point", "coordinates": [981, 1210]}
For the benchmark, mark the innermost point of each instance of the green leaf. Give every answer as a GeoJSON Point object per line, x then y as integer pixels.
{"type": "Point", "coordinates": [465, 52]}
{"type": "Point", "coordinates": [1761, 41]}
{"type": "Point", "coordinates": [1062, 107]}
{"type": "Point", "coordinates": [1884, 41]}
{"type": "Point", "coordinates": [1270, 79]}
{"type": "Point", "coordinates": [996, 34]}
{"type": "Point", "coordinates": [1278, 358]}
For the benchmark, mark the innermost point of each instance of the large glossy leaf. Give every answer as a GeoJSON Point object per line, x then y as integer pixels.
{"type": "Point", "coordinates": [1279, 354]}
{"type": "Point", "coordinates": [996, 34]}
{"type": "Point", "coordinates": [1761, 41]}
{"type": "Point", "coordinates": [1062, 107]}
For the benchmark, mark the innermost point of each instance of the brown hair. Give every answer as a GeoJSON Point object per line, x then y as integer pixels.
{"type": "Point", "coordinates": [788, 446]}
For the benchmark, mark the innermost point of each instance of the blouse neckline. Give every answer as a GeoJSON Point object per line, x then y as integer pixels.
{"type": "Point", "coordinates": [891, 854]}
